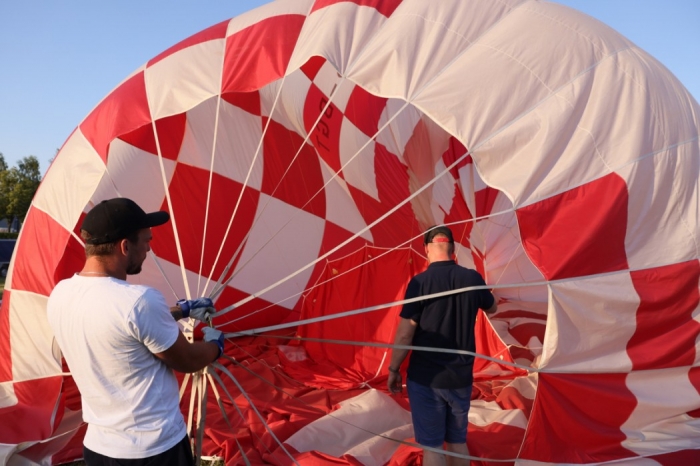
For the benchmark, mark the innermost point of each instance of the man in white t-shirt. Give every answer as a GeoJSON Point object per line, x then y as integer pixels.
{"type": "Point", "coordinates": [122, 343]}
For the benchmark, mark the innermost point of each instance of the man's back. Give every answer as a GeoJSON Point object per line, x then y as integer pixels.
{"type": "Point", "coordinates": [446, 322]}
{"type": "Point", "coordinates": [108, 331]}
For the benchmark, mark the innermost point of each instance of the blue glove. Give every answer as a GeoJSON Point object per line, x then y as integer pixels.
{"type": "Point", "coordinates": [212, 334]}
{"type": "Point", "coordinates": [201, 308]}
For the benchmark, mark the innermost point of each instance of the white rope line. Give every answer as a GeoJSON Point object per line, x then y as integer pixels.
{"type": "Point", "coordinates": [356, 235]}
{"type": "Point", "coordinates": [373, 258]}
{"type": "Point", "coordinates": [348, 423]}
{"type": "Point", "coordinates": [176, 235]}
{"type": "Point", "coordinates": [211, 177]}
{"type": "Point", "coordinates": [190, 412]}
{"type": "Point", "coordinates": [201, 416]}
{"type": "Point", "coordinates": [240, 196]}
{"type": "Point", "coordinates": [411, 300]}
{"type": "Point", "coordinates": [428, 349]}
{"type": "Point", "coordinates": [221, 287]}
{"type": "Point", "coordinates": [213, 373]}
{"type": "Point", "coordinates": [245, 184]}
{"type": "Point", "coordinates": [217, 396]}
{"type": "Point", "coordinates": [220, 367]}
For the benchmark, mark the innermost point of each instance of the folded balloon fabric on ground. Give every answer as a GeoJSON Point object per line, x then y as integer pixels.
{"type": "Point", "coordinates": [303, 148]}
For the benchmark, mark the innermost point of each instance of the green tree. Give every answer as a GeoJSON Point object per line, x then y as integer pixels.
{"type": "Point", "coordinates": [21, 183]}
{"type": "Point", "coordinates": [4, 190]}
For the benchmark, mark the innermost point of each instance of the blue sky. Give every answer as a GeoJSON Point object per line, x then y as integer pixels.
{"type": "Point", "coordinates": [59, 59]}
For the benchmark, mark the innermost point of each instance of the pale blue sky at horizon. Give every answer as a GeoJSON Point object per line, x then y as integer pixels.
{"type": "Point", "coordinates": [59, 59]}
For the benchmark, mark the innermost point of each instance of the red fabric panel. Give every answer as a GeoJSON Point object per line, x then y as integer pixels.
{"type": "Point", "coordinates": [382, 280]}
{"type": "Point", "coordinates": [39, 251]}
{"type": "Point", "coordinates": [489, 344]}
{"type": "Point", "coordinates": [248, 101]}
{"type": "Point", "coordinates": [694, 377]}
{"type": "Point", "coordinates": [459, 212]}
{"type": "Point", "coordinates": [495, 441]}
{"type": "Point", "coordinates": [218, 31]}
{"type": "Point", "coordinates": [678, 458]}
{"type": "Point", "coordinates": [325, 136]}
{"type": "Point", "coordinates": [171, 132]}
{"type": "Point", "coordinates": [333, 235]}
{"type": "Point", "coordinates": [259, 54]}
{"type": "Point", "coordinates": [580, 232]}
{"type": "Point", "coordinates": [578, 418]}
{"type": "Point", "coordinates": [312, 67]}
{"type": "Point", "coordinates": [454, 151]}
{"type": "Point", "coordinates": [122, 111]}
{"type": "Point", "coordinates": [36, 400]}
{"type": "Point", "coordinates": [253, 314]}
{"type": "Point", "coordinates": [297, 182]}
{"type": "Point", "coordinates": [385, 7]}
{"type": "Point", "coordinates": [5, 348]}
{"type": "Point", "coordinates": [392, 185]}
{"type": "Point", "coordinates": [364, 110]}
{"type": "Point", "coordinates": [666, 330]}
{"type": "Point", "coordinates": [190, 207]}
{"type": "Point", "coordinates": [72, 260]}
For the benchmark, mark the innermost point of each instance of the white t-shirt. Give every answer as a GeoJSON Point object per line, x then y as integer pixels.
{"type": "Point", "coordinates": [108, 331]}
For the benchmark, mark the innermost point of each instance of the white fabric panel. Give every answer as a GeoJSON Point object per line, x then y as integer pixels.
{"type": "Point", "coordinates": [341, 42]}
{"type": "Point", "coordinates": [590, 322]}
{"type": "Point", "coordinates": [7, 396]}
{"type": "Point", "coordinates": [483, 413]}
{"type": "Point", "coordinates": [442, 193]}
{"type": "Point", "coordinates": [471, 182]}
{"type": "Point", "coordinates": [237, 139]}
{"type": "Point", "coordinates": [276, 8]}
{"type": "Point", "coordinates": [122, 180]}
{"type": "Point", "coordinates": [623, 462]}
{"type": "Point", "coordinates": [674, 236]}
{"type": "Point", "coordinates": [359, 171]}
{"type": "Point", "coordinates": [289, 109]}
{"type": "Point", "coordinates": [340, 207]}
{"type": "Point", "coordinates": [659, 422]}
{"type": "Point", "coordinates": [419, 40]}
{"type": "Point", "coordinates": [70, 181]}
{"type": "Point", "coordinates": [283, 240]}
{"type": "Point", "coordinates": [30, 337]}
{"type": "Point", "coordinates": [182, 80]}
{"type": "Point", "coordinates": [397, 134]}
{"type": "Point", "coordinates": [327, 80]}
{"type": "Point", "coordinates": [373, 412]}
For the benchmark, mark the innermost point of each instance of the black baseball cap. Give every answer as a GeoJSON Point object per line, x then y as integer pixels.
{"type": "Point", "coordinates": [433, 231]}
{"type": "Point", "coordinates": [118, 218]}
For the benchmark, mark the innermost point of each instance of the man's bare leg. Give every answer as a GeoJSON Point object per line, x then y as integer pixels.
{"type": "Point", "coordinates": [430, 458]}
{"type": "Point", "coordinates": [460, 448]}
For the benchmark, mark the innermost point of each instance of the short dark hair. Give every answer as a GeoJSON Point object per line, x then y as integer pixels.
{"type": "Point", "coordinates": [435, 230]}
{"type": "Point", "coordinates": [104, 249]}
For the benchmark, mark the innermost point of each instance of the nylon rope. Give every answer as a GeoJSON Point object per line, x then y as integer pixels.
{"type": "Point", "coordinates": [221, 286]}
{"type": "Point", "coordinates": [371, 259]}
{"type": "Point", "coordinates": [238, 410]}
{"type": "Point", "coordinates": [333, 416]}
{"type": "Point", "coordinates": [245, 183]}
{"type": "Point", "coordinates": [223, 369]}
{"type": "Point", "coordinates": [176, 234]}
{"type": "Point", "coordinates": [217, 396]}
{"type": "Point", "coordinates": [211, 177]}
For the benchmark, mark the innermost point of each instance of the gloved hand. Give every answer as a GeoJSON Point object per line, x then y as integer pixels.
{"type": "Point", "coordinates": [212, 334]}
{"type": "Point", "coordinates": [201, 308]}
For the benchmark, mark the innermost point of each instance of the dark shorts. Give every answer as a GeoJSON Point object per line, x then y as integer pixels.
{"type": "Point", "coordinates": [179, 455]}
{"type": "Point", "coordinates": [439, 414]}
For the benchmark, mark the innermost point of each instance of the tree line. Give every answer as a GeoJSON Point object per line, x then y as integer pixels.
{"type": "Point", "coordinates": [17, 187]}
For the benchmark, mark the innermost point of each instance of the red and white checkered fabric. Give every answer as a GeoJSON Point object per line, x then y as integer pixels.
{"type": "Point", "coordinates": [289, 140]}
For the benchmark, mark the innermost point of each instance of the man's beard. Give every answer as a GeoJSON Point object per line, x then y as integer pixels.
{"type": "Point", "coordinates": [133, 268]}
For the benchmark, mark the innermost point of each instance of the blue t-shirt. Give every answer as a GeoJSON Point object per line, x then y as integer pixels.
{"type": "Point", "coordinates": [446, 322]}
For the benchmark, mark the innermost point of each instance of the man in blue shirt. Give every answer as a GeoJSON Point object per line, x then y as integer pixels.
{"type": "Point", "coordinates": [440, 384]}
